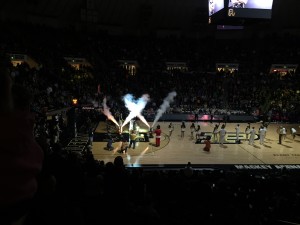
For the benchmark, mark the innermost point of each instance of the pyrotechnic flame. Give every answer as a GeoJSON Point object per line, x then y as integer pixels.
{"type": "Point", "coordinates": [135, 108]}
{"type": "Point", "coordinates": [108, 113]}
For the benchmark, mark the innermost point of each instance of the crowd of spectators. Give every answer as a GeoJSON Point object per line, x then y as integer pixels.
{"type": "Point", "coordinates": [91, 192]}
{"type": "Point", "coordinates": [249, 90]}
{"type": "Point", "coordinates": [77, 189]}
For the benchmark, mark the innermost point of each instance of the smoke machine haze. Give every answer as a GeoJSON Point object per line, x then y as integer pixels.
{"type": "Point", "coordinates": [164, 106]}
{"type": "Point", "coordinates": [107, 112]}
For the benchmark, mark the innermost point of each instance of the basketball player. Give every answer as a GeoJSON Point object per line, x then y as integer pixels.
{"type": "Point", "coordinates": [239, 3]}
{"type": "Point", "coordinates": [211, 7]}
{"type": "Point", "coordinates": [222, 133]}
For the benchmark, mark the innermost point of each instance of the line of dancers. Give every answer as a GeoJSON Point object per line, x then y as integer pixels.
{"type": "Point", "coordinates": [219, 133]}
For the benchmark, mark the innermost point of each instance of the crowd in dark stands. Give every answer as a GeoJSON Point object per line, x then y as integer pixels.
{"type": "Point", "coordinates": [77, 189]}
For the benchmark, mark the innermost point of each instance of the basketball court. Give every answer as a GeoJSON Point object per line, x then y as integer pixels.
{"type": "Point", "coordinates": [177, 150]}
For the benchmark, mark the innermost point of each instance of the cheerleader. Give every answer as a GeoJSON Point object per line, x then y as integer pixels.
{"type": "Point", "coordinates": [192, 128]}
{"type": "Point", "coordinates": [182, 127]}
{"type": "Point", "coordinates": [171, 129]}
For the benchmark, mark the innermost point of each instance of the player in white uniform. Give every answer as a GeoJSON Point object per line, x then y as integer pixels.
{"type": "Point", "coordinates": [222, 133]}
{"type": "Point", "coordinates": [239, 3]}
{"type": "Point", "coordinates": [293, 132]}
{"type": "Point", "coordinates": [262, 134]}
{"type": "Point", "coordinates": [211, 7]}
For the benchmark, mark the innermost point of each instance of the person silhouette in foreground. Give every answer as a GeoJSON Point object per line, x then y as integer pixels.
{"type": "Point", "coordinates": [188, 170]}
{"type": "Point", "coordinates": [21, 158]}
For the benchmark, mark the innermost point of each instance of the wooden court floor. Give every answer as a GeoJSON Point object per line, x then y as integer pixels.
{"type": "Point", "coordinates": [176, 150]}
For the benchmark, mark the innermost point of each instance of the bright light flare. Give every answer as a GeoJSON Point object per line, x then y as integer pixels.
{"type": "Point", "coordinates": [137, 161]}
{"type": "Point", "coordinates": [135, 107]}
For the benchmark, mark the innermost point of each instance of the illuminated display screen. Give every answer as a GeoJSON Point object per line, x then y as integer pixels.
{"type": "Point", "coordinates": [260, 9]}
{"type": "Point", "coordinates": [239, 12]}
{"type": "Point", "coordinates": [215, 6]}
{"type": "Point", "coordinates": [251, 4]}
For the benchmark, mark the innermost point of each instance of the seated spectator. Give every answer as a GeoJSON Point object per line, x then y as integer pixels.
{"type": "Point", "coordinates": [188, 170]}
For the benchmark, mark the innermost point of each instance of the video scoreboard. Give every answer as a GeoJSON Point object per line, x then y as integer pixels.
{"type": "Point", "coordinates": [235, 11]}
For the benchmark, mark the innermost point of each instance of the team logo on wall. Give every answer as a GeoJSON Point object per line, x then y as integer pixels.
{"type": "Point", "coordinates": [230, 138]}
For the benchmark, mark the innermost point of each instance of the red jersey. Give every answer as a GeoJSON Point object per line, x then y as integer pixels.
{"type": "Point", "coordinates": [157, 133]}
{"type": "Point", "coordinates": [207, 145]}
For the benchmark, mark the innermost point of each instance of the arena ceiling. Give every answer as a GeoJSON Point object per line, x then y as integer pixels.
{"type": "Point", "coordinates": [132, 15]}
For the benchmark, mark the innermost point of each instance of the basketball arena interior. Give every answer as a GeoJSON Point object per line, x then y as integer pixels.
{"type": "Point", "coordinates": [150, 112]}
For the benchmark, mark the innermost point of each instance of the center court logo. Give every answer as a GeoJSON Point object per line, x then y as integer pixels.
{"type": "Point", "coordinates": [230, 138]}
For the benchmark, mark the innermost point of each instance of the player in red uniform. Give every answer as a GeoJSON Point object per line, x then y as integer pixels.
{"type": "Point", "coordinates": [207, 144]}
{"type": "Point", "coordinates": [157, 135]}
